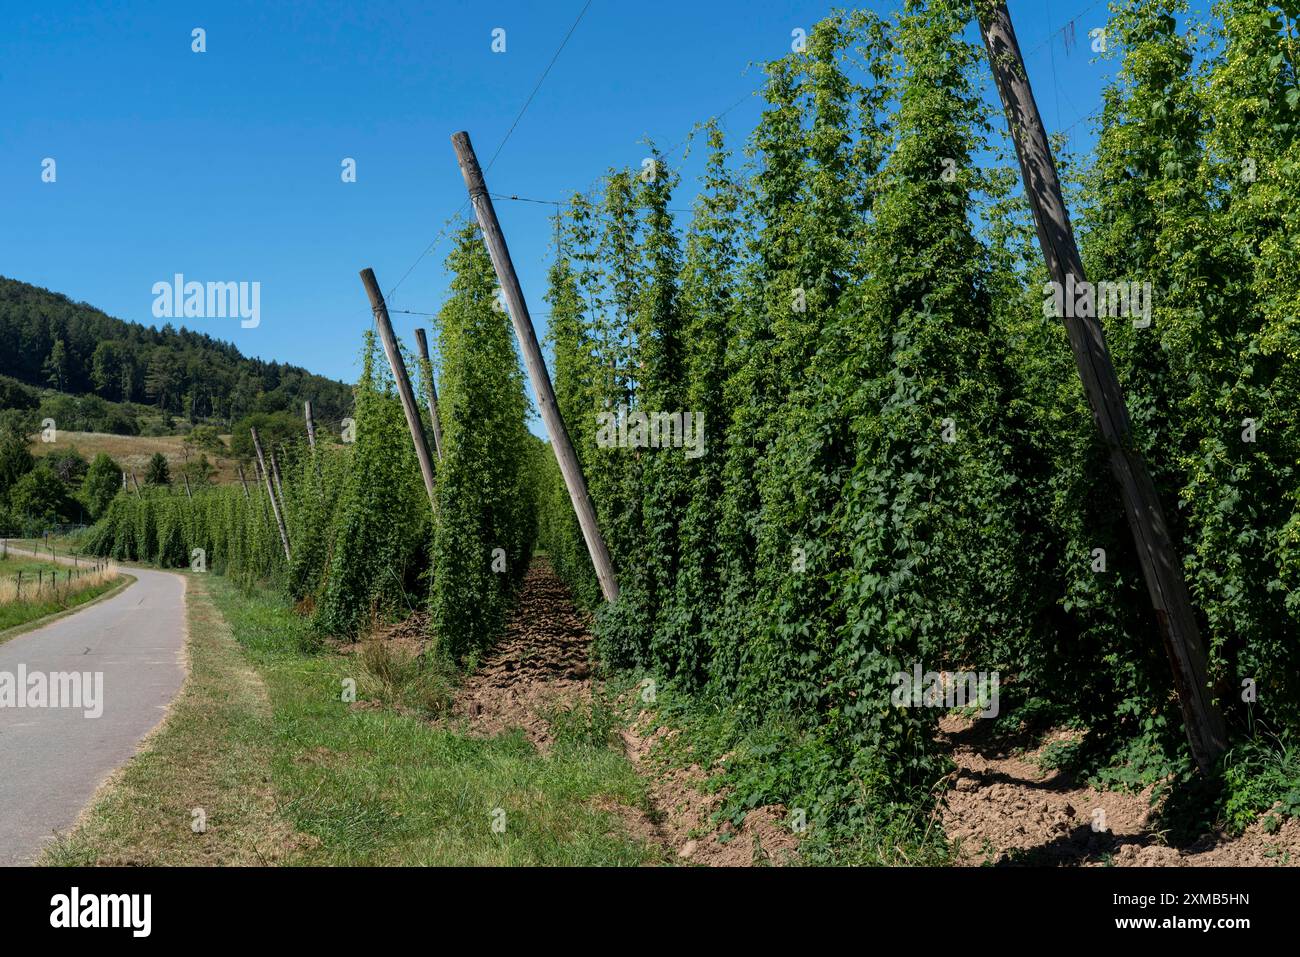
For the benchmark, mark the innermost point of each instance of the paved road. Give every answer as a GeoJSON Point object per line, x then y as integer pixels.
{"type": "Point", "coordinates": [53, 759]}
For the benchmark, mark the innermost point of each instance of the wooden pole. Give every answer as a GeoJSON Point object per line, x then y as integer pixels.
{"type": "Point", "coordinates": [258, 484]}
{"type": "Point", "coordinates": [242, 481]}
{"type": "Point", "coordinates": [311, 424]}
{"type": "Point", "coordinates": [403, 381]}
{"type": "Point", "coordinates": [275, 506]}
{"type": "Point", "coordinates": [275, 473]}
{"type": "Point", "coordinates": [570, 467]}
{"type": "Point", "coordinates": [136, 482]}
{"type": "Point", "coordinates": [188, 494]}
{"type": "Point", "coordinates": [1168, 591]}
{"type": "Point", "coordinates": [426, 370]}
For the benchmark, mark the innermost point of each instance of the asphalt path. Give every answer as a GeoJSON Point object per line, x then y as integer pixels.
{"type": "Point", "coordinates": [52, 759]}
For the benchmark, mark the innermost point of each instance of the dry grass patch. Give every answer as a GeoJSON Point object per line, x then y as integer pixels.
{"type": "Point", "coordinates": [133, 452]}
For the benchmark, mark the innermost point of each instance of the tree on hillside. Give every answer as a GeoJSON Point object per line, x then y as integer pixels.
{"type": "Point", "coordinates": [161, 381]}
{"type": "Point", "coordinates": [157, 472]}
{"type": "Point", "coordinates": [68, 464]}
{"type": "Point", "coordinates": [101, 484]}
{"type": "Point", "coordinates": [42, 497]}
{"type": "Point", "coordinates": [273, 428]}
{"type": "Point", "coordinates": [15, 459]}
{"type": "Point", "coordinates": [107, 372]}
{"type": "Point", "coordinates": [56, 366]}
{"type": "Point", "coordinates": [204, 438]}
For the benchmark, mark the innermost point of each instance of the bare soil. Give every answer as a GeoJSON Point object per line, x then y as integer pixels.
{"type": "Point", "coordinates": [685, 809]}
{"type": "Point", "coordinates": [1004, 808]}
{"type": "Point", "coordinates": [543, 664]}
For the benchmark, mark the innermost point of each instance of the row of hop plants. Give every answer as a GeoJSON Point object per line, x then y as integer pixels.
{"type": "Point", "coordinates": [900, 466]}
{"type": "Point", "coordinates": [365, 548]}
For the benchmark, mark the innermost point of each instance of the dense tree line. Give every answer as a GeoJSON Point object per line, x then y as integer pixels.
{"type": "Point", "coordinates": [48, 341]}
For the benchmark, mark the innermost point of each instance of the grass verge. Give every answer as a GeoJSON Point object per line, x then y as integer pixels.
{"type": "Point", "coordinates": [20, 611]}
{"type": "Point", "coordinates": [285, 771]}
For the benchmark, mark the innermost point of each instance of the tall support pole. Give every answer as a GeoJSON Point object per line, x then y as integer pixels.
{"type": "Point", "coordinates": [257, 483]}
{"type": "Point", "coordinates": [311, 424]}
{"type": "Point", "coordinates": [188, 494]}
{"type": "Point", "coordinates": [570, 467]}
{"type": "Point", "coordinates": [1166, 586]}
{"type": "Point", "coordinates": [380, 309]}
{"type": "Point", "coordinates": [275, 474]}
{"type": "Point", "coordinates": [426, 370]}
{"type": "Point", "coordinates": [243, 481]}
{"type": "Point", "coordinates": [270, 493]}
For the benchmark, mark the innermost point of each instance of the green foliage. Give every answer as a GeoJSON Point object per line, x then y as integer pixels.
{"type": "Point", "coordinates": [206, 438]}
{"type": "Point", "coordinates": [157, 472]}
{"type": "Point", "coordinates": [68, 464]}
{"type": "Point", "coordinates": [377, 537]}
{"type": "Point", "coordinates": [274, 429]}
{"type": "Point", "coordinates": [1260, 777]}
{"type": "Point", "coordinates": [40, 495]}
{"type": "Point", "coordinates": [902, 466]}
{"type": "Point", "coordinates": [102, 482]}
{"type": "Point", "coordinates": [487, 519]}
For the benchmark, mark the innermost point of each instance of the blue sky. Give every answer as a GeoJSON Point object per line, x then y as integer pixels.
{"type": "Point", "coordinates": [225, 165]}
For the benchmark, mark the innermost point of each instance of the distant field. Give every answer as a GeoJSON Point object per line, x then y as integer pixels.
{"type": "Point", "coordinates": [133, 452]}
{"type": "Point", "coordinates": [31, 588]}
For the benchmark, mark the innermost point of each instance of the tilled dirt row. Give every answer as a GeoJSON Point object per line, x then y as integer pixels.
{"type": "Point", "coordinates": [543, 664]}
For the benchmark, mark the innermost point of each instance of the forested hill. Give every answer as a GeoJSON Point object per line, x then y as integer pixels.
{"type": "Point", "coordinates": [49, 341]}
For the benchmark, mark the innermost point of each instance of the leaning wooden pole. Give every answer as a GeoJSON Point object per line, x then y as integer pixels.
{"type": "Point", "coordinates": [413, 422]}
{"type": "Point", "coordinates": [1146, 519]}
{"type": "Point", "coordinates": [426, 370]}
{"type": "Point", "coordinates": [188, 494]}
{"type": "Point", "coordinates": [270, 493]}
{"type": "Point", "coordinates": [257, 483]}
{"type": "Point", "coordinates": [243, 481]}
{"type": "Point", "coordinates": [570, 467]}
{"type": "Point", "coordinates": [275, 474]}
{"type": "Point", "coordinates": [311, 424]}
